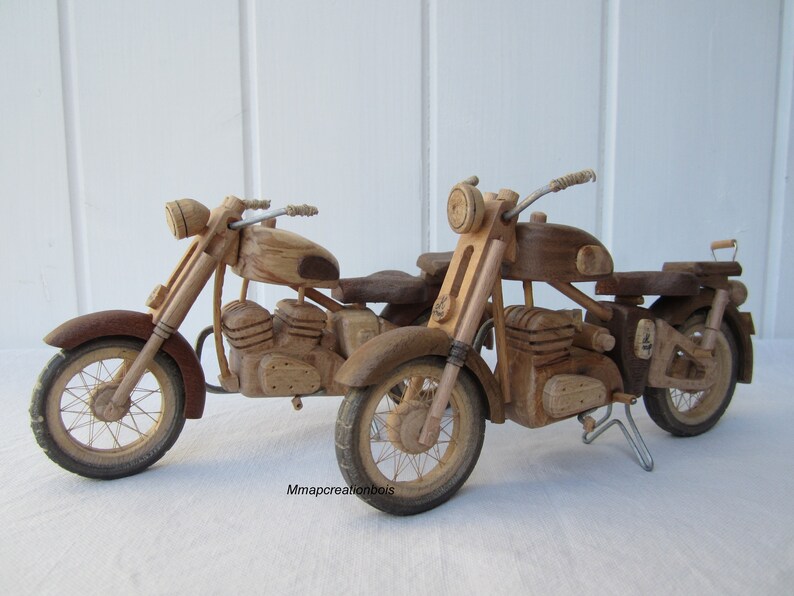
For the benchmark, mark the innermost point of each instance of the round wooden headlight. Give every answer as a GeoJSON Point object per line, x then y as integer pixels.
{"type": "Point", "coordinates": [186, 217]}
{"type": "Point", "coordinates": [465, 209]}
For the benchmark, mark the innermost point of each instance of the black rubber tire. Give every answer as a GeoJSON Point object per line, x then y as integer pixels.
{"type": "Point", "coordinates": [65, 447]}
{"type": "Point", "coordinates": [661, 403]}
{"type": "Point", "coordinates": [354, 447]}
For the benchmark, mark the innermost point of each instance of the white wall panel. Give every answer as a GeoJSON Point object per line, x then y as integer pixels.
{"type": "Point", "coordinates": [695, 132]}
{"type": "Point", "coordinates": [784, 320]}
{"type": "Point", "coordinates": [340, 114]}
{"type": "Point", "coordinates": [36, 246]}
{"type": "Point", "coordinates": [159, 117]}
{"type": "Point", "coordinates": [515, 98]}
{"type": "Point", "coordinates": [372, 111]}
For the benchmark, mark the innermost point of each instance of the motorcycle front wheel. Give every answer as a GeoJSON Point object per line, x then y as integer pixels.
{"type": "Point", "coordinates": [690, 413]}
{"type": "Point", "coordinates": [377, 439]}
{"type": "Point", "coordinates": [73, 427]}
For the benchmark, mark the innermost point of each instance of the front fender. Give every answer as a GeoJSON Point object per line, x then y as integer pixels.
{"type": "Point", "coordinates": [127, 323]}
{"type": "Point", "coordinates": [375, 359]}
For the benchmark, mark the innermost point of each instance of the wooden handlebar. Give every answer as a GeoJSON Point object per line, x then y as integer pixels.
{"type": "Point", "coordinates": [256, 204]}
{"type": "Point", "coordinates": [564, 182]}
{"type": "Point", "coordinates": [718, 244]}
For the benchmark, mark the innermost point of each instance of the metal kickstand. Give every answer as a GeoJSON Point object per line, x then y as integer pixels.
{"type": "Point", "coordinates": [594, 429]}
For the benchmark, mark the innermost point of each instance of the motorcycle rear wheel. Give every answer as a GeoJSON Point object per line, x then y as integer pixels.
{"type": "Point", "coordinates": [690, 413]}
{"type": "Point", "coordinates": [68, 421]}
{"type": "Point", "coordinates": [390, 476]}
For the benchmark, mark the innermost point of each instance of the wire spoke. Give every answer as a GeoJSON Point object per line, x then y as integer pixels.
{"type": "Point", "coordinates": [134, 428]}
{"type": "Point", "coordinates": [92, 434]}
{"type": "Point", "coordinates": [143, 397]}
{"type": "Point", "coordinates": [145, 413]}
{"type": "Point", "coordinates": [384, 453]}
{"type": "Point", "coordinates": [115, 437]}
{"type": "Point", "coordinates": [76, 426]}
{"type": "Point", "coordinates": [415, 466]}
{"type": "Point", "coordinates": [75, 402]}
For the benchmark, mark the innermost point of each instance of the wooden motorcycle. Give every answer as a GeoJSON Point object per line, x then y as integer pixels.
{"type": "Point", "coordinates": [116, 396]}
{"type": "Point", "coordinates": [411, 428]}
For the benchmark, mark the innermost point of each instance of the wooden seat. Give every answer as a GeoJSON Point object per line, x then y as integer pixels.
{"type": "Point", "coordinates": [395, 287]}
{"type": "Point", "coordinates": [706, 268]}
{"type": "Point", "coordinates": [649, 283]}
{"type": "Point", "coordinates": [434, 264]}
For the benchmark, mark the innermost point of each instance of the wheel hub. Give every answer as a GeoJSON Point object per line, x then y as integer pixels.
{"type": "Point", "coordinates": [103, 408]}
{"type": "Point", "coordinates": [405, 424]}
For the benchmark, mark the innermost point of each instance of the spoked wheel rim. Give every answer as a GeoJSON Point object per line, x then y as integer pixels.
{"type": "Point", "coordinates": [400, 466]}
{"type": "Point", "coordinates": [398, 462]}
{"type": "Point", "coordinates": [86, 429]}
{"type": "Point", "coordinates": [695, 407]}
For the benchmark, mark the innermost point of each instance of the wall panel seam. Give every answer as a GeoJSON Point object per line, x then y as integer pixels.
{"type": "Point", "coordinates": [783, 107]}
{"type": "Point", "coordinates": [430, 18]}
{"type": "Point", "coordinates": [74, 155]}
{"type": "Point", "coordinates": [425, 127]}
{"type": "Point", "coordinates": [610, 56]}
{"type": "Point", "coordinates": [249, 95]}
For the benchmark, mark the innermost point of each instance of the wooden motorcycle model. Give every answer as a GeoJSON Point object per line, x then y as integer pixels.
{"type": "Point", "coordinates": [412, 426]}
{"type": "Point", "coordinates": [116, 396]}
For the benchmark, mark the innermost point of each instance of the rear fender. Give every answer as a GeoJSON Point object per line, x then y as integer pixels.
{"type": "Point", "coordinates": [677, 309]}
{"type": "Point", "coordinates": [379, 356]}
{"type": "Point", "coordinates": [127, 323]}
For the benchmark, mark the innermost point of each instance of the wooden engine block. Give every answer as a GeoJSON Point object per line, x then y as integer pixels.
{"type": "Point", "coordinates": [550, 378]}
{"type": "Point", "coordinates": [285, 354]}
{"type": "Point", "coordinates": [356, 326]}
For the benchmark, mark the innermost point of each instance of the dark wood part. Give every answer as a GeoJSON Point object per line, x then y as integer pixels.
{"type": "Point", "coordinates": [395, 287]}
{"type": "Point", "coordinates": [706, 268]}
{"type": "Point", "coordinates": [649, 283]}
{"type": "Point", "coordinates": [406, 314]}
{"type": "Point", "coordinates": [126, 323]}
{"type": "Point", "coordinates": [551, 253]}
{"type": "Point", "coordinates": [676, 310]}
{"type": "Point", "coordinates": [623, 327]}
{"type": "Point", "coordinates": [435, 264]}
{"type": "Point", "coordinates": [318, 267]}
{"type": "Point", "coordinates": [382, 354]}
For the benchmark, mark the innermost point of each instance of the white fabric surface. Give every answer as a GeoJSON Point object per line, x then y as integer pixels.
{"type": "Point", "coordinates": [542, 513]}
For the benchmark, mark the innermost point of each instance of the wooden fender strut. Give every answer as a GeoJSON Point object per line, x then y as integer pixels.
{"type": "Point", "coordinates": [669, 343]}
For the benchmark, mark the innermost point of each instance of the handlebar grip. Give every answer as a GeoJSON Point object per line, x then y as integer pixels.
{"type": "Point", "coordinates": [471, 180]}
{"type": "Point", "coordinates": [564, 182]}
{"type": "Point", "coordinates": [718, 244]}
{"type": "Point", "coordinates": [257, 204]}
{"type": "Point", "coordinates": [303, 210]}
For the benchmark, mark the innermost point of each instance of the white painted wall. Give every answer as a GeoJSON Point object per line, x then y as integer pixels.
{"type": "Point", "coordinates": [372, 110]}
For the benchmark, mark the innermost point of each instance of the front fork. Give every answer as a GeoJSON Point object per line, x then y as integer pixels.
{"type": "Point", "coordinates": [170, 304]}
{"type": "Point", "coordinates": [473, 309]}
{"type": "Point", "coordinates": [196, 274]}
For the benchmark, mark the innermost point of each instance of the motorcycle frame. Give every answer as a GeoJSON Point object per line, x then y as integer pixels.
{"type": "Point", "coordinates": [212, 250]}
{"type": "Point", "coordinates": [475, 273]}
